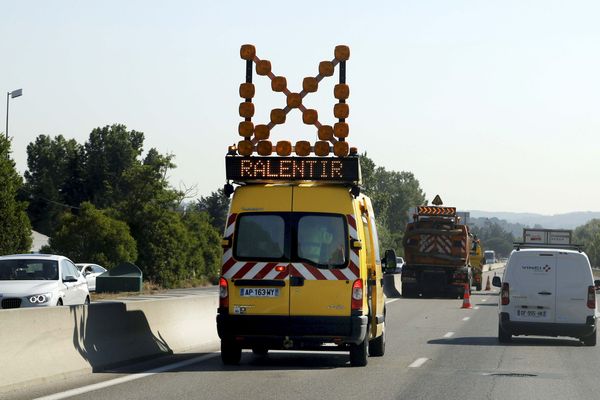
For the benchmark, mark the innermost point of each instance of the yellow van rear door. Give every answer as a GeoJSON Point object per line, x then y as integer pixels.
{"type": "Point", "coordinates": [257, 265]}
{"type": "Point", "coordinates": [322, 274]}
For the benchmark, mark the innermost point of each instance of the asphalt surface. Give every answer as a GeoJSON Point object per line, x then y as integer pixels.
{"type": "Point", "coordinates": [434, 350]}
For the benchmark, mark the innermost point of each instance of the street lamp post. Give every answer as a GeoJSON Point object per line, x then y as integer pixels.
{"type": "Point", "coordinates": [11, 95]}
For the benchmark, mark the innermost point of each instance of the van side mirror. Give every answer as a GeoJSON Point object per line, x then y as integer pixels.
{"type": "Point", "coordinates": [69, 279]}
{"type": "Point", "coordinates": [496, 281]}
{"type": "Point", "coordinates": [390, 261]}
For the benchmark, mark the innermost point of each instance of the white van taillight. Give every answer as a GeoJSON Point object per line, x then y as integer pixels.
{"type": "Point", "coordinates": [223, 293]}
{"type": "Point", "coordinates": [505, 294]}
{"type": "Point", "coordinates": [591, 301]}
{"type": "Point", "coordinates": [357, 295]}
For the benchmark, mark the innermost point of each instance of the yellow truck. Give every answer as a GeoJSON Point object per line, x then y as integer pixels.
{"type": "Point", "coordinates": [301, 268]}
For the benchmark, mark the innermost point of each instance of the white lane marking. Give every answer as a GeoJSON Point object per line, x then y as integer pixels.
{"type": "Point", "coordinates": [483, 299]}
{"type": "Point", "coordinates": [466, 318]}
{"type": "Point", "coordinates": [391, 301]}
{"type": "Point", "coordinates": [128, 378]}
{"type": "Point", "coordinates": [449, 335]}
{"type": "Point", "coordinates": [418, 362]}
{"type": "Point", "coordinates": [476, 308]}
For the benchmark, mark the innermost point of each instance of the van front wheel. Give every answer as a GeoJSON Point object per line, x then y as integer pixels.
{"type": "Point", "coordinates": [590, 340]}
{"type": "Point", "coordinates": [358, 353]}
{"type": "Point", "coordinates": [231, 352]}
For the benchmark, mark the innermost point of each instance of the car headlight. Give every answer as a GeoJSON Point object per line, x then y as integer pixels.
{"type": "Point", "coordinates": [40, 298]}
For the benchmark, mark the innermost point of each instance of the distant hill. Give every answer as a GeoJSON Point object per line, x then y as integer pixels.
{"type": "Point", "coordinates": [558, 221]}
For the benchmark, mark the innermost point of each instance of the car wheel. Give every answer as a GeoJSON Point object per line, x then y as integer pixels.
{"type": "Point", "coordinates": [231, 352]}
{"type": "Point", "coordinates": [503, 336]}
{"type": "Point", "coordinates": [358, 353]}
{"type": "Point", "coordinates": [590, 340]}
{"type": "Point", "coordinates": [377, 345]}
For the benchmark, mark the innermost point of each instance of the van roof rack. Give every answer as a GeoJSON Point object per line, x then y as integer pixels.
{"type": "Point", "coordinates": [521, 245]}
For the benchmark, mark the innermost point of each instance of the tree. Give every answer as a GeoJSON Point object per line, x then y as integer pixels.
{"type": "Point", "coordinates": [54, 180]}
{"type": "Point", "coordinates": [15, 235]}
{"type": "Point", "coordinates": [205, 259]}
{"type": "Point", "coordinates": [217, 206]}
{"type": "Point", "coordinates": [95, 236]}
{"type": "Point", "coordinates": [588, 235]}
{"type": "Point", "coordinates": [494, 237]}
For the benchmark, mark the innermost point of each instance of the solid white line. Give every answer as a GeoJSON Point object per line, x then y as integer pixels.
{"type": "Point", "coordinates": [391, 301]}
{"type": "Point", "coordinates": [449, 335]}
{"type": "Point", "coordinates": [418, 362]}
{"type": "Point", "coordinates": [466, 318]}
{"type": "Point", "coordinates": [128, 378]}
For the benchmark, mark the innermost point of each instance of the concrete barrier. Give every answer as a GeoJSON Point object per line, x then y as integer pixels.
{"type": "Point", "coordinates": [392, 284]}
{"type": "Point", "coordinates": [43, 345]}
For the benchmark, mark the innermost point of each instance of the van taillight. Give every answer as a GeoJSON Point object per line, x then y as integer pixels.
{"type": "Point", "coordinates": [504, 294]}
{"type": "Point", "coordinates": [591, 301]}
{"type": "Point", "coordinates": [357, 295]}
{"type": "Point", "coordinates": [223, 293]}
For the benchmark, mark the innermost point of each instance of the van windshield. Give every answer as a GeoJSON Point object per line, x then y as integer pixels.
{"type": "Point", "coordinates": [28, 270]}
{"type": "Point", "coordinates": [315, 238]}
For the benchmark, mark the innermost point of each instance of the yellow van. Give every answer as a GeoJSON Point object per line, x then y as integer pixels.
{"type": "Point", "coordinates": [301, 267]}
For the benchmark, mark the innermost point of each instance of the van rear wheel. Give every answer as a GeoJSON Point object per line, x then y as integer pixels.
{"type": "Point", "coordinates": [358, 353]}
{"type": "Point", "coordinates": [590, 340]}
{"type": "Point", "coordinates": [377, 345]}
{"type": "Point", "coordinates": [503, 336]}
{"type": "Point", "coordinates": [231, 352]}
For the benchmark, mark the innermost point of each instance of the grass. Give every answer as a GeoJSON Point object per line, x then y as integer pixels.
{"type": "Point", "coordinates": [150, 288]}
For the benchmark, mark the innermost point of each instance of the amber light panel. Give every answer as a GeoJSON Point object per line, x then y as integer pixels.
{"type": "Point", "coordinates": [342, 52]}
{"type": "Point", "coordinates": [302, 148]}
{"type": "Point", "coordinates": [310, 117]}
{"type": "Point", "coordinates": [247, 52]}
{"type": "Point", "coordinates": [245, 148]}
{"type": "Point", "coordinates": [264, 148]}
{"type": "Point", "coordinates": [325, 132]}
{"type": "Point", "coordinates": [322, 148]}
{"type": "Point", "coordinates": [277, 116]}
{"type": "Point", "coordinates": [247, 90]}
{"type": "Point", "coordinates": [341, 91]}
{"type": "Point", "coordinates": [246, 128]}
{"type": "Point", "coordinates": [263, 67]}
{"type": "Point", "coordinates": [326, 68]}
{"type": "Point", "coordinates": [246, 109]}
{"type": "Point", "coordinates": [341, 110]}
{"type": "Point", "coordinates": [261, 132]}
{"type": "Point", "coordinates": [341, 130]}
{"type": "Point", "coordinates": [341, 149]}
{"type": "Point", "coordinates": [310, 84]}
{"type": "Point", "coordinates": [284, 148]}
{"type": "Point", "coordinates": [294, 100]}
{"type": "Point", "coordinates": [279, 84]}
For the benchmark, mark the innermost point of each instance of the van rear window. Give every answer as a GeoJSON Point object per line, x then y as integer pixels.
{"type": "Point", "coordinates": [260, 237]}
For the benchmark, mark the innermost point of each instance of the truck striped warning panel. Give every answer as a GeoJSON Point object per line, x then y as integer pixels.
{"type": "Point", "coordinates": [442, 211]}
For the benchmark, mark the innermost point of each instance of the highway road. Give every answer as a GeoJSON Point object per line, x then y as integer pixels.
{"type": "Point", "coordinates": [435, 350]}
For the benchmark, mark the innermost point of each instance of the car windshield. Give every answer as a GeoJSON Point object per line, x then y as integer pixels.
{"type": "Point", "coordinates": [317, 239]}
{"type": "Point", "coordinates": [28, 270]}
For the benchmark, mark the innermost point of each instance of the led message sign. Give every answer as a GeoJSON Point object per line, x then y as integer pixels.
{"type": "Point", "coordinates": [292, 169]}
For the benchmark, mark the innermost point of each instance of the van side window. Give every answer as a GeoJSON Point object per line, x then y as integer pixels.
{"type": "Point", "coordinates": [260, 236]}
{"type": "Point", "coordinates": [322, 239]}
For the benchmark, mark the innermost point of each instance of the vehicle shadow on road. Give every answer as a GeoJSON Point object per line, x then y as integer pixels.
{"type": "Point", "coordinates": [516, 341]}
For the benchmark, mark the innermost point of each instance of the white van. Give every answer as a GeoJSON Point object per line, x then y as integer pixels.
{"type": "Point", "coordinates": [547, 292]}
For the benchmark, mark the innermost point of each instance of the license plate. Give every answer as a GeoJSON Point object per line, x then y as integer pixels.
{"type": "Point", "coordinates": [531, 313]}
{"type": "Point", "coordinates": [259, 292]}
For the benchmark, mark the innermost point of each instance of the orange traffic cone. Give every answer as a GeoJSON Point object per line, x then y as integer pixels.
{"type": "Point", "coordinates": [487, 285]}
{"type": "Point", "coordinates": [467, 298]}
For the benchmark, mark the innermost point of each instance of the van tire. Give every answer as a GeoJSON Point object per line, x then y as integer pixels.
{"type": "Point", "coordinates": [231, 352]}
{"type": "Point", "coordinates": [503, 336]}
{"type": "Point", "coordinates": [358, 353]}
{"type": "Point", "coordinates": [377, 345]}
{"type": "Point", "coordinates": [590, 340]}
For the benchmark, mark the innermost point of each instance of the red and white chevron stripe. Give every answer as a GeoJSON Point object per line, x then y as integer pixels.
{"type": "Point", "coordinates": [438, 243]}
{"type": "Point", "coordinates": [232, 269]}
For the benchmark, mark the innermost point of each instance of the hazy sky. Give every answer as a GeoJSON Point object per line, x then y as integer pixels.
{"type": "Point", "coordinates": [492, 104]}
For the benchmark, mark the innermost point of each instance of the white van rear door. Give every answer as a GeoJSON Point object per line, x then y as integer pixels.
{"type": "Point", "coordinates": [532, 285]}
{"type": "Point", "coordinates": [573, 277]}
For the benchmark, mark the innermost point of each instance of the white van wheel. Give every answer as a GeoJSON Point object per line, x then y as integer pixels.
{"type": "Point", "coordinates": [590, 340]}
{"type": "Point", "coordinates": [503, 336]}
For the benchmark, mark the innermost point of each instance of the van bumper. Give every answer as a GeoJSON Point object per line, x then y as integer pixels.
{"type": "Point", "coordinates": [547, 328]}
{"type": "Point", "coordinates": [306, 331]}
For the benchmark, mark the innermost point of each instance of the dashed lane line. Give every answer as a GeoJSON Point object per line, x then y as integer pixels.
{"type": "Point", "coordinates": [127, 378]}
{"type": "Point", "coordinates": [418, 362]}
{"type": "Point", "coordinates": [448, 335]}
{"type": "Point", "coordinates": [466, 318]}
